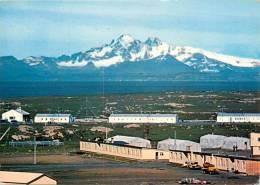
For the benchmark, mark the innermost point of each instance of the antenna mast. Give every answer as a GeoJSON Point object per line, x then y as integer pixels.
{"type": "Point", "coordinates": [34, 152]}
{"type": "Point", "coordinates": [103, 89]}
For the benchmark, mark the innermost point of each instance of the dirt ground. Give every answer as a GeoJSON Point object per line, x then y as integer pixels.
{"type": "Point", "coordinates": [75, 169]}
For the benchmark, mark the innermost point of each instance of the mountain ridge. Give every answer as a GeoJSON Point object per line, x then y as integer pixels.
{"type": "Point", "coordinates": [156, 58]}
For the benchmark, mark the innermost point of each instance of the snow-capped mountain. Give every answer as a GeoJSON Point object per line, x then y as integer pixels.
{"type": "Point", "coordinates": [125, 51]}
{"type": "Point", "coordinates": [126, 48]}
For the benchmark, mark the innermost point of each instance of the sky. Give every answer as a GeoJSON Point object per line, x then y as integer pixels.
{"type": "Point", "coordinates": [53, 28]}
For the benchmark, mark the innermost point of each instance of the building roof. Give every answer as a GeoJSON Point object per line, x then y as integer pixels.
{"type": "Point", "coordinates": [143, 115]}
{"type": "Point", "coordinates": [237, 114]}
{"type": "Point", "coordinates": [20, 111]}
{"type": "Point", "coordinates": [53, 115]}
{"type": "Point", "coordinates": [20, 177]}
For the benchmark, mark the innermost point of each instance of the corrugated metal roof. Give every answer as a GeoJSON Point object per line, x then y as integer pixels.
{"type": "Point", "coordinates": [237, 114]}
{"type": "Point", "coordinates": [53, 115]}
{"type": "Point", "coordinates": [143, 115]}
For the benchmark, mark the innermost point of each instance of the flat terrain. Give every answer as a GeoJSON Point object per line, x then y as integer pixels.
{"type": "Point", "coordinates": [75, 169]}
{"type": "Point", "coordinates": [83, 170]}
{"type": "Point", "coordinates": [189, 105]}
{"type": "Point", "coordinates": [72, 134]}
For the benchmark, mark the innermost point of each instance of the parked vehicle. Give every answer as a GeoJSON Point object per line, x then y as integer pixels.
{"type": "Point", "coordinates": [193, 165]}
{"type": "Point", "coordinates": [209, 169]}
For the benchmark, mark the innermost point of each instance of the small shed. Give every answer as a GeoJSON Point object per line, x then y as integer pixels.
{"type": "Point", "coordinates": [177, 144]}
{"type": "Point", "coordinates": [8, 177]}
{"type": "Point", "coordinates": [18, 115]}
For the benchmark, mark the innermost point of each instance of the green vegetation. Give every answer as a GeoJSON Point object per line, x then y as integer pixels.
{"type": "Point", "coordinates": [189, 105]}
{"type": "Point", "coordinates": [155, 134]}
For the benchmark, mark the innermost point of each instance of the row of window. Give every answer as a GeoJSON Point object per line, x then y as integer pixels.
{"type": "Point", "coordinates": [136, 119]}
{"type": "Point", "coordinates": [54, 119]}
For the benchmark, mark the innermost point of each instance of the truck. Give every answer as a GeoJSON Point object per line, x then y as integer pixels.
{"type": "Point", "coordinates": [193, 165]}
{"type": "Point", "coordinates": [209, 169]}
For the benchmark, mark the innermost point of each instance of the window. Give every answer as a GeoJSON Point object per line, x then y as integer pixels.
{"type": "Point", "coordinates": [259, 139]}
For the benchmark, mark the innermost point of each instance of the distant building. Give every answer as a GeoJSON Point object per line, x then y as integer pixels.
{"type": "Point", "coordinates": [255, 143]}
{"type": "Point", "coordinates": [7, 177]}
{"type": "Point", "coordinates": [143, 118]}
{"type": "Point", "coordinates": [18, 115]}
{"type": "Point", "coordinates": [223, 117]}
{"type": "Point", "coordinates": [53, 118]}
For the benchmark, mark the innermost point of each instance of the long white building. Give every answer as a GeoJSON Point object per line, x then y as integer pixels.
{"type": "Point", "coordinates": [223, 117]}
{"type": "Point", "coordinates": [143, 118]}
{"type": "Point", "coordinates": [53, 118]}
{"type": "Point", "coordinates": [18, 115]}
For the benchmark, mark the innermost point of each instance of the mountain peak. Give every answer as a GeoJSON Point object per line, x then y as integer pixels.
{"type": "Point", "coordinates": [126, 38]}
{"type": "Point", "coordinates": [126, 48]}
{"type": "Point", "coordinates": [123, 40]}
{"type": "Point", "coordinates": [153, 41]}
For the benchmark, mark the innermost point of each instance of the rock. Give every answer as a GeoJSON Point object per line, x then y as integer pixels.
{"type": "Point", "coordinates": [101, 129]}
{"type": "Point", "coordinates": [132, 126]}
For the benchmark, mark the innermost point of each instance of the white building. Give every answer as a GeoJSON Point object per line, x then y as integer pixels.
{"type": "Point", "coordinates": [238, 117]}
{"type": "Point", "coordinates": [255, 144]}
{"type": "Point", "coordinates": [53, 118]}
{"type": "Point", "coordinates": [130, 141]}
{"type": "Point", "coordinates": [18, 115]}
{"type": "Point", "coordinates": [143, 118]}
{"type": "Point", "coordinates": [177, 144]}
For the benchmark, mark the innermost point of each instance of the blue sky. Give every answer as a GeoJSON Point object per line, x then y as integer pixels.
{"type": "Point", "coordinates": [52, 28]}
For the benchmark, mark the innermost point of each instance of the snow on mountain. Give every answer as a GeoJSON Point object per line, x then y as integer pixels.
{"type": "Point", "coordinates": [100, 52]}
{"type": "Point", "coordinates": [183, 53]}
{"type": "Point", "coordinates": [126, 48]}
{"type": "Point", "coordinates": [33, 61]}
{"type": "Point", "coordinates": [124, 40]}
{"type": "Point", "coordinates": [72, 63]}
{"type": "Point", "coordinates": [108, 62]}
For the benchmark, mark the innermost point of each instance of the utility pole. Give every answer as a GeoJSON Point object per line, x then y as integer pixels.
{"type": "Point", "coordinates": [103, 92]}
{"type": "Point", "coordinates": [175, 144]}
{"type": "Point", "coordinates": [34, 151]}
{"type": "Point", "coordinates": [86, 106]}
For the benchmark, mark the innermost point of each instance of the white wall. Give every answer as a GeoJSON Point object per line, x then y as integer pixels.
{"type": "Point", "coordinates": [43, 119]}
{"type": "Point", "coordinates": [13, 115]}
{"type": "Point", "coordinates": [142, 119]}
{"type": "Point", "coordinates": [238, 119]}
